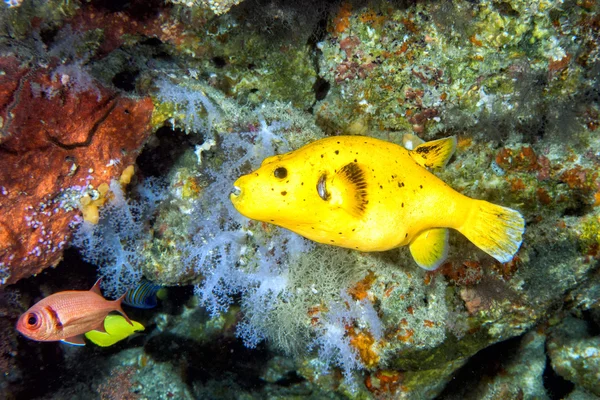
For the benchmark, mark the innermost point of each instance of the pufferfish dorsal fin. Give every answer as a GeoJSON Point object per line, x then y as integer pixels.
{"type": "Point", "coordinates": [434, 154]}
{"type": "Point", "coordinates": [348, 189]}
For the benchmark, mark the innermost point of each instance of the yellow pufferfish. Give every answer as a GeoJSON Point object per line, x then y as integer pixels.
{"type": "Point", "coordinates": [370, 195]}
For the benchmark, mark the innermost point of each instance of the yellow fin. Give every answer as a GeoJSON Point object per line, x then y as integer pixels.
{"type": "Point", "coordinates": [434, 154]}
{"type": "Point", "coordinates": [348, 189]}
{"type": "Point", "coordinates": [117, 328]}
{"type": "Point", "coordinates": [494, 229]}
{"type": "Point", "coordinates": [430, 248]}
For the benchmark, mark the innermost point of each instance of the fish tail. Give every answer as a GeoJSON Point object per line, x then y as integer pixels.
{"type": "Point", "coordinates": [494, 229]}
{"type": "Point", "coordinates": [119, 309]}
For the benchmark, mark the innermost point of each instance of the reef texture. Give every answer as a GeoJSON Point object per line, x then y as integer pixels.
{"type": "Point", "coordinates": [216, 6]}
{"type": "Point", "coordinates": [575, 354]}
{"type": "Point", "coordinates": [505, 77]}
{"type": "Point", "coordinates": [57, 142]}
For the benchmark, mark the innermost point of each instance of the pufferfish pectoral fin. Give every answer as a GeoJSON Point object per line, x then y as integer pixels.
{"type": "Point", "coordinates": [430, 248]}
{"type": "Point", "coordinates": [434, 154]}
{"type": "Point", "coordinates": [348, 189]}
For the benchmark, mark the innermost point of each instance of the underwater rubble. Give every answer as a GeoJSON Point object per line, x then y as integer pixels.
{"type": "Point", "coordinates": [123, 126]}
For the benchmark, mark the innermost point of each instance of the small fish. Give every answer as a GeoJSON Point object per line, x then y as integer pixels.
{"type": "Point", "coordinates": [116, 328]}
{"type": "Point", "coordinates": [67, 315]}
{"type": "Point", "coordinates": [13, 3]}
{"type": "Point", "coordinates": [143, 295]}
{"type": "Point", "coordinates": [370, 195]}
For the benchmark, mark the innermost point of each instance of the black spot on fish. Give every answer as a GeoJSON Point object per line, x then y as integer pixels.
{"type": "Point", "coordinates": [355, 160]}
{"type": "Point", "coordinates": [339, 233]}
{"type": "Point", "coordinates": [272, 220]}
{"type": "Point", "coordinates": [402, 204]}
{"type": "Point", "coordinates": [322, 155]}
{"type": "Point", "coordinates": [380, 187]}
{"type": "Point", "coordinates": [337, 152]}
{"type": "Point", "coordinates": [400, 184]}
{"type": "Point", "coordinates": [406, 235]}
{"type": "Point", "coordinates": [283, 193]}
{"type": "Point", "coordinates": [424, 150]}
{"type": "Point", "coordinates": [353, 229]}
{"type": "Point", "coordinates": [301, 183]}
{"type": "Point", "coordinates": [338, 142]}
{"type": "Point", "coordinates": [421, 186]}
{"type": "Point", "coordinates": [332, 241]}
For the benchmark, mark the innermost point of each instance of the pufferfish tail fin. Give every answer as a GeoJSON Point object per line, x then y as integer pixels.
{"type": "Point", "coordinates": [494, 229]}
{"type": "Point", "coordinates": [434, 154]}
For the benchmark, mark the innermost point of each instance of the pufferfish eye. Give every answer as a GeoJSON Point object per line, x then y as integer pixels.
{"type": "Point", "coordinates": [280, 173]}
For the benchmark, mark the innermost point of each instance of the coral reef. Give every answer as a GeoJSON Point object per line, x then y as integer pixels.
{"type": "Point", "coordinates": [82, 135]}
{"type": "Point", "coordinates": [209, 89]}
{"type": "Point", "coordinates": [574, 354]}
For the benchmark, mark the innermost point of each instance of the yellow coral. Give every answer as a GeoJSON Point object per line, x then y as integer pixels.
{"type": "Point", "coordinates": [90, 208]}
{"type": "Point", "coordinates": [127, 174]}
{"type": "Point", "coordinates": [363, 342]}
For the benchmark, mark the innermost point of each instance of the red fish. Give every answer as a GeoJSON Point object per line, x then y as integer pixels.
{"type": "Point", "coordinates": [68, 315]}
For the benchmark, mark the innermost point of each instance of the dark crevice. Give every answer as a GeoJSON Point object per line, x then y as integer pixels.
{"type": "Point", "coordinates": [484, 365]}
{"type": "Point", "coordinates": [321, 88]}
{"type": "Point", "coordinates": [219, 62]}
{"type": "Point", "coordinates": [290, 379]}
{"type": "Point", "coordinates": [125, 80]}
{"type": "Point", "coordinates": [556, 386]}
{"type": "Point", "coordinates": [163, 151]}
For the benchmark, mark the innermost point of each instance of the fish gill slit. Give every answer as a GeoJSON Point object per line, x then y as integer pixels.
{"type": "Point", "coordinates": [322, 187]}
{"type": "Point", "coordinates": [54, 317]}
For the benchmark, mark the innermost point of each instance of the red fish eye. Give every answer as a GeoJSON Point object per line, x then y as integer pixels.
{"type": "Point", "coordinates": [32, 319]}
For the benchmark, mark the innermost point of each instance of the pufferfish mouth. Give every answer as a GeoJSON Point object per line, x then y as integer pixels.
{"type": "Point", "coordinates": [235, 192]}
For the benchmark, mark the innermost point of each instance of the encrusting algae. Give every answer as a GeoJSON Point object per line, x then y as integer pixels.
{"type": "Point", "coordinates": [370, 195]}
